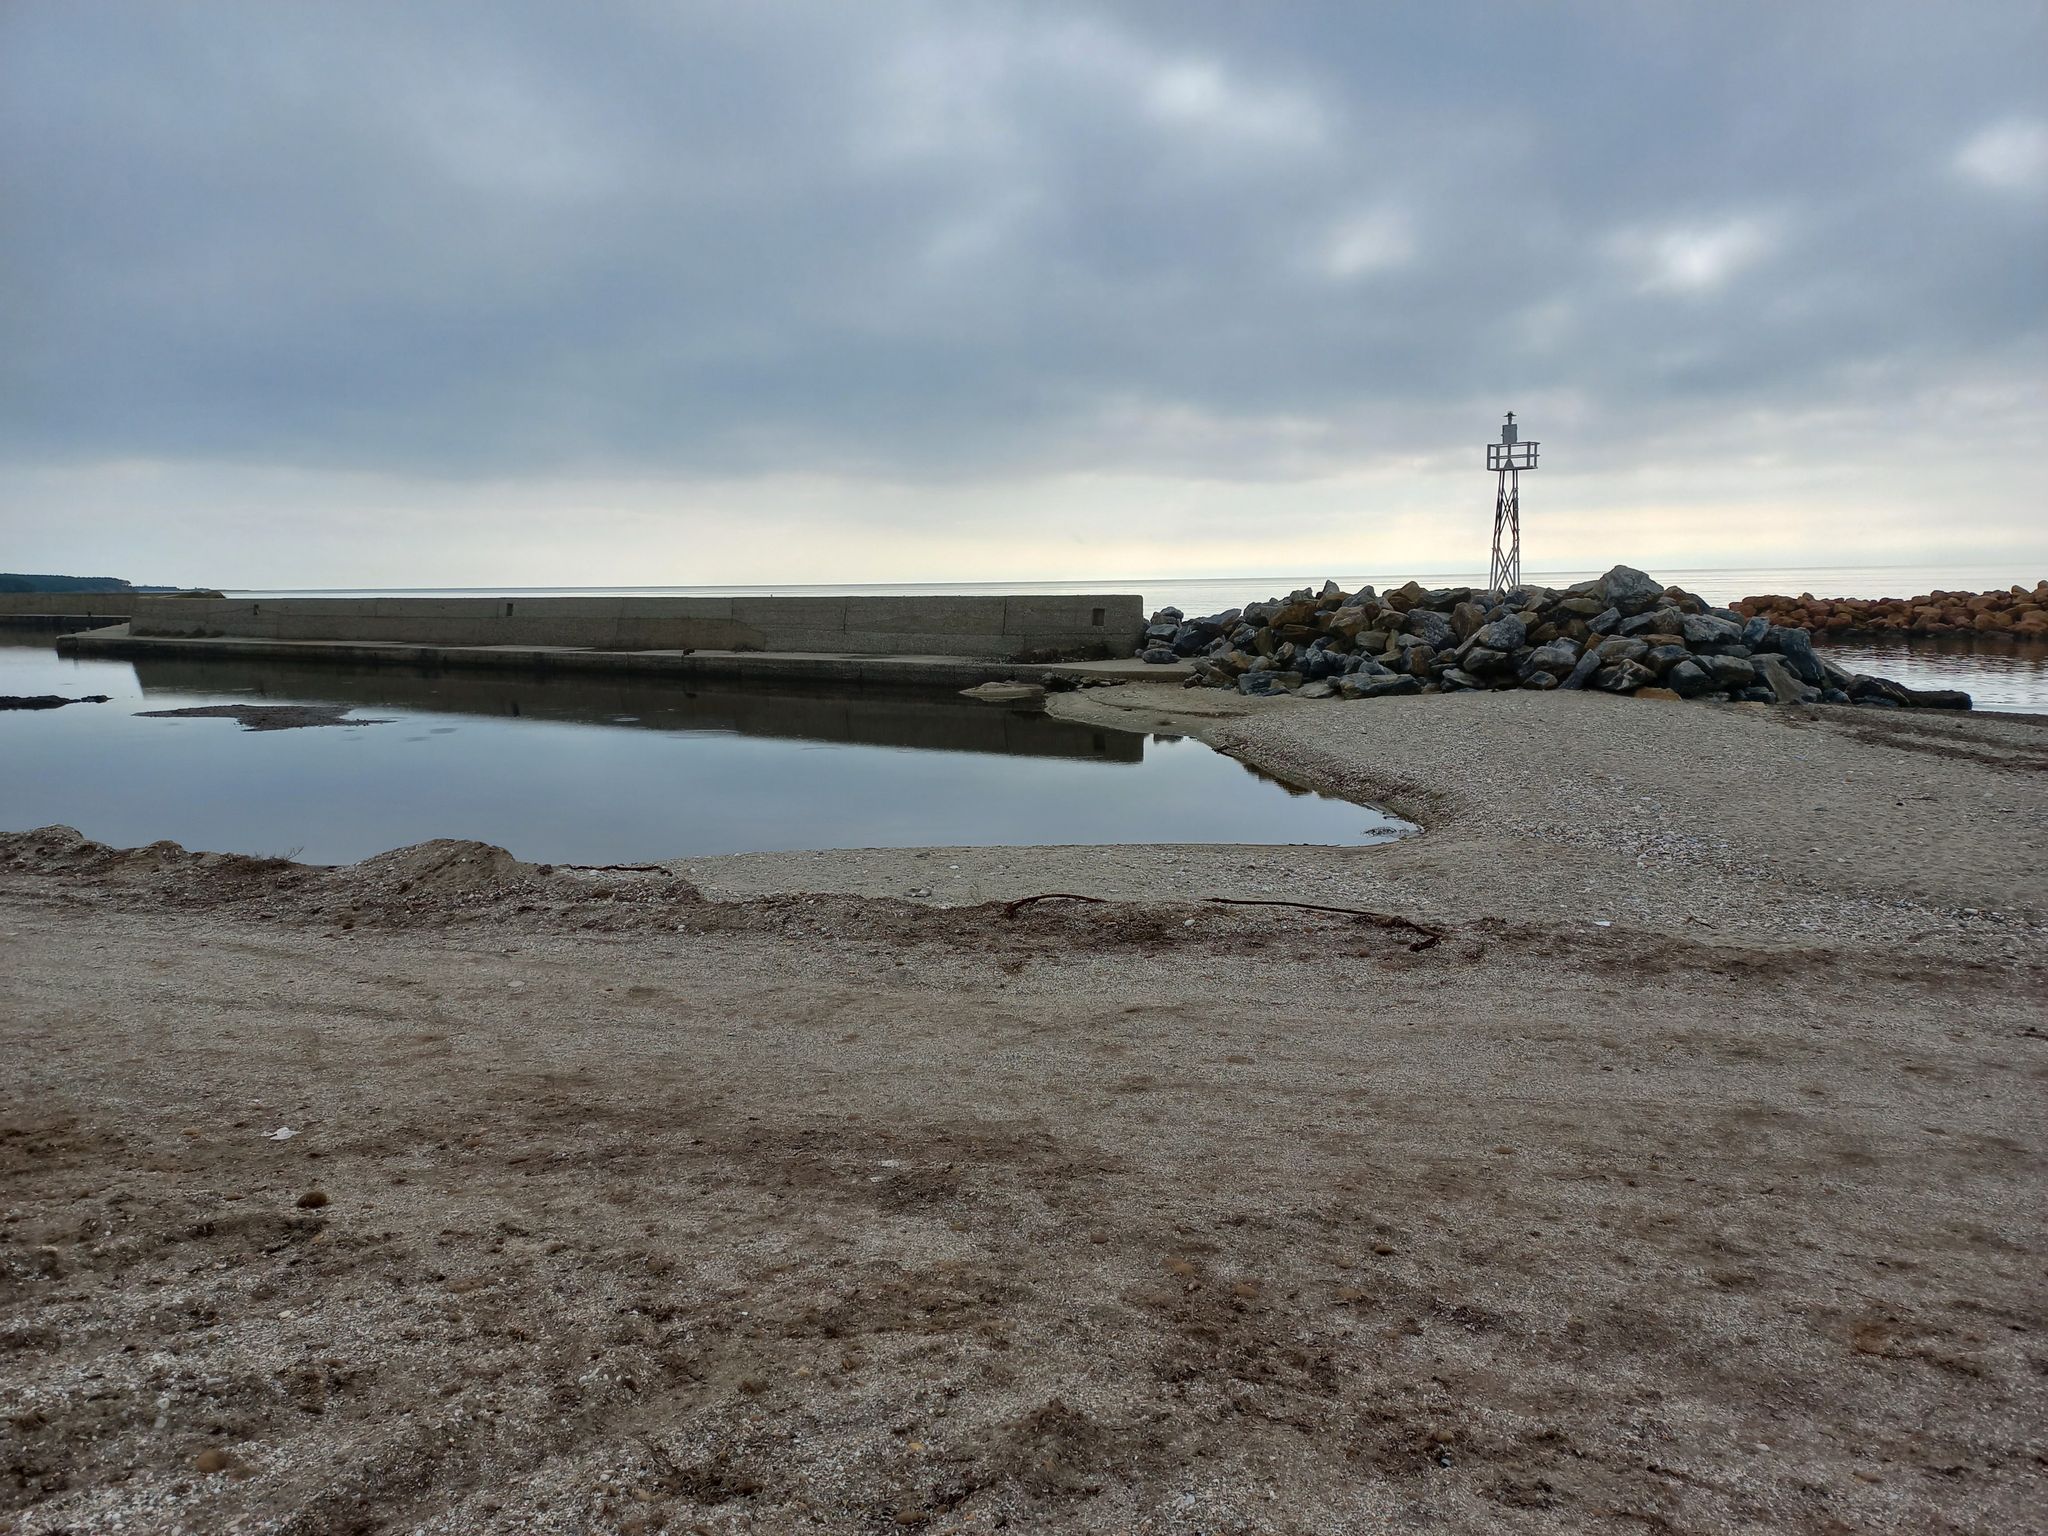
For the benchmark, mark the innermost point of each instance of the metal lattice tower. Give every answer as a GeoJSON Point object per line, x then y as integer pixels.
{"type": "Point", "coordinates": [1507, 459]}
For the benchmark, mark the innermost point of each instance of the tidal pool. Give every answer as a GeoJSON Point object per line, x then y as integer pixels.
{"type": "Point", "coordinates": [600, 771]}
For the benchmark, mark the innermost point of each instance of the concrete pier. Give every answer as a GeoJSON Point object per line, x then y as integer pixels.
{"type": "Point", "coordinates": [949, 642]}
{"type": "Point", "coordinates": [987, 627]}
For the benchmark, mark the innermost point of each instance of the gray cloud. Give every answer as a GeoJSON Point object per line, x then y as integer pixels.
{"type": "Point", "coordinates": [983, 240]}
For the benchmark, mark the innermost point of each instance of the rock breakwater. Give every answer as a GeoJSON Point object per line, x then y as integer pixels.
{"type": "Point", "coordinates": [2015, 611]}
{"type": "Point", "coordinates": [1623, 633]}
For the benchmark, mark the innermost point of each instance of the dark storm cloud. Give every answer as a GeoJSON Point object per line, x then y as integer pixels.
{"type": "Point", "coordinates": [994, 239]}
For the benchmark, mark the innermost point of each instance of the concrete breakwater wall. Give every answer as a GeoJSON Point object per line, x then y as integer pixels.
{"type": "Point", "coordinates": [974, 626]}
{"type": "Point", "coordinates": [76, 605]}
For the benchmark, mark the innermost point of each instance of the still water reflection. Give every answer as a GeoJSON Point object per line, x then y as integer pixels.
{"type": "Point", "coordinates": [605, 770]}
{"type": "Point", "coordinates": [1999, 672]}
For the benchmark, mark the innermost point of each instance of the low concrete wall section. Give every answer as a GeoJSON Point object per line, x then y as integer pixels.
{"type": "Point", "coordinates": [862, 626]}
{"type": "Point", "coordinates": [80, 605]}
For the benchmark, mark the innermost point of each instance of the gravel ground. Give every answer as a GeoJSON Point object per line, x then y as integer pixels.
{"type": "Point", "coordinates": [1755, 822]}
{"type": "Point", "coordinates": [1689, 1182]}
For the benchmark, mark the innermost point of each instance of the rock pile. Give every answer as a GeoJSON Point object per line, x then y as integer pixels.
{"type": "Point", "coordinates": [1624, 633]}
{"type": "Point", "coordinates": [2016, 611]}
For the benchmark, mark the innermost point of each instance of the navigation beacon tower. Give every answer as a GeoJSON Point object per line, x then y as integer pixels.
{"type": "Point", "coordinates": [1507, 459]}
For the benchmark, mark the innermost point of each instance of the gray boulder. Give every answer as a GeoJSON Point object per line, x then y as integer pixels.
{"type": "Point", "coordinates": [1605, 622]}
{"type": "Point", "coordinates": [1938, 698]}
{"type": "Point", "coordinates": [1631, 590]}
{"type": "Point", "coordinates": [1705, 629]}
{"type": "Point", "coordinates": [1863, 689]}
{"type": "Point", "coordinates": [1796, 646]}
{"type": "Point", "coordinates": [1662, 658]}
{"type": "Point", "coordinates": [1729, 671]}
{"type": "Point", "coordinates": [1624, 677]}
{"type": "Point", "coordinates": [1377, 687]}
{"type": "Point", "coordinates": [1582, 674]}
{"type": "Point", "coordinates": [1785, 684]}
{"type": "Point", "coordinates": [1432, 627]}
{"type": "Point", "coordinates": [1688, 679]}
{"type": "Point", "coordinates": [1557, 658]}
{"type": "Point", "coordinates": [1503, 634]}
{"type": "Point", "coordinates": [1482, 661]}
{"type": "Point", "coordinates": [1623, 648]}
{"type": "Point", "coordinates": [1158, 656]}
{"type": "Point", "coordinates": [1539, 679]}
{"type": "Point", "coordinates": [1317, 690]}
{"type": "Point", "coordinates": [1266, 684]}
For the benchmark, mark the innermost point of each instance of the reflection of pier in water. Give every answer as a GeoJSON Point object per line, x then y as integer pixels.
{"type": "Point", "coordinates": [935, 722]}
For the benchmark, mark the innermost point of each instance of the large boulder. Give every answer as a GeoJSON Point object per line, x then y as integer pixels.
{"type": "Point", "coordinates": [1582, 674]}
{"type": "Point", "coordinates": [1364, 687]}
{"type": "Point", "coordinates": [1704, 629]}
{"type": "Point", "coordinates": [1939, 698]}
{"type": "Point", "coordinates": [1688, 679]}
{"type": "Point", "coordinates": [1623, 677]}
{"type": "Point", "coordinates": [1505, 634]}
{"type": "Point", "coordinates": [1796, 646]}
{"type": "Point", "coordinates": [1785, 684]}
{"type": "Point", "coordinates": [1730, 671]}
{"type": "Point", "coordinates": [1557, 658]}
{"type": "Point", "coordinates": [1631, 590]}
{"type": "Point", "coordinates": [1864, 690]}
{"type": "Point", "coordinates": [1431, 626]}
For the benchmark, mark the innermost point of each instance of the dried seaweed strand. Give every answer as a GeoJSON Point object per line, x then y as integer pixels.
{"type": "Point", "coordinates": [1426, 935]}
{"type": "Point", "coordinates": [1012, 908]}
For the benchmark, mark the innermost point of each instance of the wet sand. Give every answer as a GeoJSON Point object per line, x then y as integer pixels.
{"type": "Point", "coordinates": [1689, 1182]}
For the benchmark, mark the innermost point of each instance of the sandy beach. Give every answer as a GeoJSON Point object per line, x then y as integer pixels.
{"type": "Point", "coordinates": [1672, 1163]}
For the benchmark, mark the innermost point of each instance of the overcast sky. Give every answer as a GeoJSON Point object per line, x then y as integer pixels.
{"type": "Point", "coordinates": [397, 294]}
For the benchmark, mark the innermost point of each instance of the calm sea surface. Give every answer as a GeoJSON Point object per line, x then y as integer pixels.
{"type": "Point", "coordinates": [1209, 594]}
{"type": "Point", "coordinates": [2000, 674]}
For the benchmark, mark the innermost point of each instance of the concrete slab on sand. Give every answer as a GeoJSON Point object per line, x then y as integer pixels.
{"type": "Point", "coordinates": [910, 671]}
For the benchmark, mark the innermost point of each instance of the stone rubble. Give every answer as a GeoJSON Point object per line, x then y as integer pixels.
{"type": "Point", "coordinates": [2016, 611]}
{"type": "Point", "coordinates": [1623, 633]}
